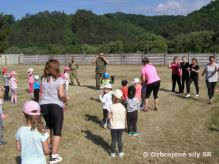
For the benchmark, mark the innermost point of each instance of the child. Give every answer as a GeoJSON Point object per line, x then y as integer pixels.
{"type": "Point", "coordinates": [106, 99]}
{"type": "Point", "coordinates": [67, 79]}
{"type": "Point", "coordinates": [124, 90]}
{"type": "Point", "coordinates": [13, 86]}
{"type": "Point", "coordinates": [2, 116]}
{"type": "Point", "coordinates": [30, 80]}
{"type": "Point", "coordinates": [6, 78]}
{"type": "Point", "coordinates": [36, 87]}
{"type": "Point", "coordinates": [106, 80]}
{"type": "Point", "coordinates": [136, 82]}
{"type": "Point", "coordinates": [31, 139]}
{"type": "Point", "coordinates": [133, 104]}
{"type": "Point", "coordinates": [117, 116]}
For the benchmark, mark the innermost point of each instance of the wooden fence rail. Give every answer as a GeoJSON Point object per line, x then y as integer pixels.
{"type": "Point", "coordinates": [134, 58]}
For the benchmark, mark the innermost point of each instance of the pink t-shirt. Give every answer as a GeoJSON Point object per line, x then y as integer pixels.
{"type": "Point", "coordinates": [138, 91]}
{"type": "Point", "coordinates": [13, 83]}
{"type": "Point", "coordinates": [150, 73]}
{"type": "Point", "coordinates": [30, 78]}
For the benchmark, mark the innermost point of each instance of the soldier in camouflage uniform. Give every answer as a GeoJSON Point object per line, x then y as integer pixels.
{"type": "Point", "coordinates": [74, 72]}
{"type": "Point", "coordinates": [101, 63]}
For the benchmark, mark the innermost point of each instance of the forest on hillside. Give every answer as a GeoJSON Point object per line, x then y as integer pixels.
{"type": "Point", "coordinates": [86, 32]}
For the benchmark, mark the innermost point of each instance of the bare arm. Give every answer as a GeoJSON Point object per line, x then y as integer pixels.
{"type": "Point", "coordinates": [169, 65]}
{"type": "Point", "coordinates": [46, 149]}
{"type": "Point", "coordinates": [107, 61]}
{"type": "Point", "coordinates": [94, 60]}
{"type": "Point", "coordinates": [61, 94]}
{"type": "Point", "coordinates": [109, 115]}
{"type": "Point", "coordinates": [18, 146]}
{"type": "Point", "coordinates": [203, 72]}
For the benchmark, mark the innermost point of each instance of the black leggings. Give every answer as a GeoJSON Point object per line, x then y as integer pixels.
{"type": "Point", "coordinates": [185, 81]}
{"type": "Point", "coordinates": [36, 95]}
{"type": "Point", "coordinates": [132, 118]}
{"type": "Point", "coordinates": [53, 116]}
{"type": "Point", "coordinates": [211, 88]}
{"type": "Point", "coordinates": [6, 96]}
{"type": "Point", "coordinates": [195, 79]}
{"type": "Point", "coordinates": [105, 115]}
{"type": "Point", "coordinates": [176, 79]}
{"type": "Point", "coordinates": [153, 87]}
{"type": "Point", "coordinates": [116, 135]}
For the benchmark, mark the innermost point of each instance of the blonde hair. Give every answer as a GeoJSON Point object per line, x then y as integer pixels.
{"type": "Point", "coordinates": [2, 92]}
{"type": "Point", "coordinates": [36, 123]}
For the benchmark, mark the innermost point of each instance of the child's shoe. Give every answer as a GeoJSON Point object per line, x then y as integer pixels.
{"type": "Point", "coordinates": [113, 155]}
{"type": "Point", "coordinates": [188, 95]}
{"type": "Point", "coordinates": [55, 159]}
{"type": "Point", "coordinates": [121, 155]}
{"type": "Point", "coordinates": [135, 134]}
{"type": "Point", "coordinates": [196, 95]}
{"type": "Point", "coordinates": [105, 125]}
{"type": "Point", "coordinates": [130, 133]}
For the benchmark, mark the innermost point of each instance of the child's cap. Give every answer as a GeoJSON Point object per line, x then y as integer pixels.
{"type": "Point", "coordinates": [12, 73]}
{"type": "Point", "coordinates": [66, 68]}
{"type": "Point", "coordinates": [117, 93]}
{"type": "Point", "coordinates": [124, 82]}
{"type": "Point", "coordinates": [108, 86]}
{"type": "Point", "coordinates": [106, 75]}
{"type": "Point", "coordinates": [4, 70]}
{"type": "Point", "coordinates": [30, 70]}
{"type": "Point", "coordinates": [36, 77]}
{"type": "Point", "coordinates": [136, 80]}
{"type": "Point", "coordinates": [131, 92]}
{"type": "Point", "coordinates": [31, 108]}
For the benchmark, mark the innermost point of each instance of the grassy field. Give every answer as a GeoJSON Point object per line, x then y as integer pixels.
{"type": "Point", "coordinates": [180, 125]}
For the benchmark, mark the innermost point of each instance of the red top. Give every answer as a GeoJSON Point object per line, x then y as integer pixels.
{"type": "Point", "coordinates": [125, 93]}
{"type": "Point", "coordinates": [176, 69]}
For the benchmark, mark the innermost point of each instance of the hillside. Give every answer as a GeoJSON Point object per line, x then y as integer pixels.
{"type": "Point", "coordinates": [57, 32]}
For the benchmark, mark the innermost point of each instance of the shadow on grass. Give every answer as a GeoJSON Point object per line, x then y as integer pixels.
{"type": "Point", "coordinates": [18, 160]}
{"type": "Point", "coordinates": [92, 118]}
{"type": "Point", "coordinates": [98, 140]}
{"type": "Point", "coordinates": [89, 86]}
{"type": "Point", "coordinates": [165, 90]}
{"type": "Point", "coordinates": [94, 99]}
{"type": "Point", "coordinates": [190, 98]}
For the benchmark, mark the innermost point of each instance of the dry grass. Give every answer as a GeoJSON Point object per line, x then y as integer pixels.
{"type": "Point", "coordinates": [180, 125]}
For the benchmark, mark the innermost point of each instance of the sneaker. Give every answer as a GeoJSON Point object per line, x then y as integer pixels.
{"type": "Point", "coordinates": [105, 126]}
{"type": "Point", "coordinates": [188, 95]}
{"type": "Point", "coordinates": [113, 155]}
{"type": "Point", "coordinates": [210, 101]}
{"type": "Point", "coordinates": [155, 109]}
{"type": "Point", "coordinates": [130, 133]}
{"type": "Point", "coordinates": [196, 95]}
{"type": "Point", "coordinates": [135, 134]}
{"type": "Point", "coordinates": [55, 159]}
{"type": "Point", "coordinates": [121, 155]}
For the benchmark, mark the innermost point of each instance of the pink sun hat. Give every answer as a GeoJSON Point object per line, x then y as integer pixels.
{"type": "Point", "coordinates": [31, 108]}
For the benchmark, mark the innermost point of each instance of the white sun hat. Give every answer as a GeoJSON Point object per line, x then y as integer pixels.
{"type": "Point", "coordinates": [30, 70]}
{"type": "Point", "coordinates": [108, 86]}
{"type": "Point", "coordinates": [117, 93]}
{"type": "Point", "coordinates": [36, 77]}
{"type": "Point", "coordinates": [136, 80]}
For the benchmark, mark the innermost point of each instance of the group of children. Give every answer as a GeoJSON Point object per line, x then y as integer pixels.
{"type": "Point", "coordinates": [124, 108]}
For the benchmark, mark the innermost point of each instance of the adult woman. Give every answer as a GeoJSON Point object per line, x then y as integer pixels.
{"type": "Point", "coordinates": [150, 76]}
{"type": "Point", "coordinates": [52, 103]}
{"type": "Point", "coordinates": [211, 77]}
{"type": "Point", "coordinates": [194, 72]}
{"type": "Point", "coordinates": [176, 74]}
{"type": "Point", "coordinates": [185, 73]}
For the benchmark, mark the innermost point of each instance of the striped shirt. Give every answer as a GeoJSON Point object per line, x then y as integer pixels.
{"type": "Point", "coordinates": [118, 115]}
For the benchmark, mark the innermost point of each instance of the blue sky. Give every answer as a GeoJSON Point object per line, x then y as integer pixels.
{"type": "Point", "coordinates": [146, 7]}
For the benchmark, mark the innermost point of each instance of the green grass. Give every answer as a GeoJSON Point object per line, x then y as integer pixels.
{"type": "Point", "coordinates": [180, 125]}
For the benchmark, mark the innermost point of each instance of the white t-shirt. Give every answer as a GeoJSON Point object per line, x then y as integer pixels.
{"type": "Point", "coordinates": [50, 91]}
{"type": "Point", "coordinates": [118, 113]}
{"type": "Point", "coordinates": [106, 99]}
{"type": "Point", "coordinates": [211, 72]}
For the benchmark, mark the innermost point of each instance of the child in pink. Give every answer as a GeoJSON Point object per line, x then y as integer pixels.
{"type": "Point", "coordinates": [13, 86]}
{"type": "Point", "coordinates": [30, 80]}
{"type": "Point", "coordinates": [138, 88]}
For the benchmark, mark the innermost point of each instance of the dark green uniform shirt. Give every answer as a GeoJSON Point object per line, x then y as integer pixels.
{"type": "Point", "coordinates": [100, 66]}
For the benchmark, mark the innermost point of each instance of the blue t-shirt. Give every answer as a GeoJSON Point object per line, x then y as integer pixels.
{"type": "Point", "coordinates": [31, 145]}
{"type": "Point", "coordinates": [36, 85]}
